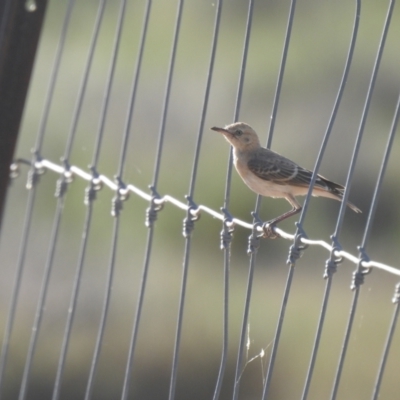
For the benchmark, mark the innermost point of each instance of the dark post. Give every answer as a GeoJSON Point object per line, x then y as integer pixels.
{"type": "Point", "coordinates": [20, 26]}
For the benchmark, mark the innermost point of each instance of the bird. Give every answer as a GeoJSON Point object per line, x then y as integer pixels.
{"type": "Point", "coordinates": [270, 174]}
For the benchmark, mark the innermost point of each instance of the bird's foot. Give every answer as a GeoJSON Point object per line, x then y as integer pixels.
{"type": "Point", "coordinates": [269, 232]}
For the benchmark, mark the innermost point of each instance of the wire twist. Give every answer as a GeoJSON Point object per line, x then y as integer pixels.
{"type": "Point", "coordinates": [157, 202]}
{"type": "Point", "coordinates": [255, 238]}
{"type": "Point", "coordinates": [396, 296]}
{"type": "Point", "coordinates": [122, 194]}
{"type": "Point", "coordinates": [152, 211]}
{"type": "Point", "coordinates": [297, 248]}
{"type": "Point", "coordinates": [333, 261]}
{"type": "Point", "coordinates": [94, 186]}
{"type": "Point", "coordinates": [227, 229]}
{"type": "Point", "coordinates": [360, 272]}
{"type": "Point", "coordinates": [191, 218]}
{"type": "Point", "coordinates": [35, 171]}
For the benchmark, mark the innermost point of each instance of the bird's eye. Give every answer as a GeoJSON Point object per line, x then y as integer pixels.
{"type": "Point", "coordinates": [239, 132]}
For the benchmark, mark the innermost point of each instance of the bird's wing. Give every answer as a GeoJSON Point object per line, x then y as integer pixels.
{"type": "Point", "coordinates": [280, 170]}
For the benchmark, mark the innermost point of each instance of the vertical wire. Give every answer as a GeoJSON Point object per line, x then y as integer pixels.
{"type": "Point", "coordinates": [107, 96]}
{"type": "Point", "coordinates": [188, 221]}
{"type": "Point", "coordinates": [281, 73]}
{"type": "Point", "coordinates": [124, 147]}
{"type": "Point", "coordinates": [278, 331]}
{"type": "Point", "coordinates": [53, 76]}
{"type": "Point", "coordinates": [206, 97]}
{"type": "Point", "coordinates": [61, 189]}
{"type": "Point", "coordinates": [334, 110]}
{"type": "Point", "coordinates": [253, 254]}
{"type": "Point", "coordinates": [156, 175]}
{"type": "Point", "coordinates": [88, 218]}
{"type": "Point", "coordinates": [83, 86]}
{"type": "Point", "coordinates": [306, 202]}
{"type": "Point", "coordinates": [238, 101]}
{"type": "Point", "coordinates": [224, 354]}
{"type": "Point", "coordinates": [368, 227]}
{"type": "Point", "coordinates": [381, 175]}
{"type": "Point", "coordinates": [73, 302]}
{"type": "Point", "coordinates": [389, 339]}
{"type": "Point", "coordinates": [224, 350]}
{"type": "Point", "coordinates": [364, 117]}
{"type": "Point", "coordinates": [42, 299]}
{"type": "Point", "coordinates": [106, 303]}
{"type": "Point", "coordinates": [17, 282]}
{"type": "Point", "coordinates": [167, 95]}
{"type": "Point", "coordinates": [228, 192]}
{"type": "Point", "coordinates": [291, 267]}
{"type": "Point", "coordinates": [317, 338]}
{"type": "Point", "coordinates": [115, 212]}
{"type": "Point", "coordinates": [135, 329]}
{"type": "Point", "coordinates": [346, 192]}
{"type": "Point", "coordinates": [345, 344]}
{"type": "Point", "coordinates": [32, 194]}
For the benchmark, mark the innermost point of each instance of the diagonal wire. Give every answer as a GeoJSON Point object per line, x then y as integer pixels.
{"type": "Point", "coordinates": [90, 191]}
{"type": "Point", "coordinates": [253, 241]}
{"type": "Point", "coordinates": [116, 207]}
{"type": "Point", "coordinates": [358, 274]}
{"type": "Point", "coordinates": [367, 232]}
{"type": "Point", "coordinates": [61, 189]}
{"type": "Point", "coordinates": [167, 95]}
{"type": "Point", "coordinates": [175, 356]}
{"type": "Point", "coordinates": [42, 298]}
{"type": "Point", "coordinates": [17, 282]}
{"type": "Point", "coordinates": [258, 203]}
{"type": "Point", "coordinates": [396, 301]}
{"type": "Point", "coordinates": [124, 147]}
{"type": "Point", "coordinates": [27, 223]}
{"type": "Point", "coordinates": [314, 176]}
{"type": "Point", "coordinates": [224, 354]}
{"type": "Point", "coordinates": [381, 175]}
{"type": "Point", "coordinates": [238, 101]}
{"type": "Point", "coordinates": [229, 179]}
{"type": "Point", "coordinates": [189, 221]}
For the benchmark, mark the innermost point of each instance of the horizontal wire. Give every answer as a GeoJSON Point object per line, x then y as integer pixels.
{"type": "Point", "coordinates": [72, 171]}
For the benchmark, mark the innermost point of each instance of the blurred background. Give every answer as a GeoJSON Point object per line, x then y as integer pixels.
{"type": "Point", "coordinates": [317, 53]}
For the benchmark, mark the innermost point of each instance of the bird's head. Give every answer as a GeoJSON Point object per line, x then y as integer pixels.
{"type": "Point", "coordinates": [240, 135]}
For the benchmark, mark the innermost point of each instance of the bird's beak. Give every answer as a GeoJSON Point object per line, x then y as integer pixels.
{"type": "Point", "coordinates": [221, 130]}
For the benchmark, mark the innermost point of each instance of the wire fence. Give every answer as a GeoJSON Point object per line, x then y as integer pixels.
{"type": "Point", "coordinates": [227, 369]}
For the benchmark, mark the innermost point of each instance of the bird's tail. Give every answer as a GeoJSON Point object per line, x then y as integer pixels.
{"type": "Point", "coordinates": [338, 190]}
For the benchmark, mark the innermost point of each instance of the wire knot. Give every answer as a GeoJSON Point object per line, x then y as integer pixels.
{"type": "Point", "coordinates": [363, 257]}
{"type": "Point", "coordinates": [297, 248]}
{"type": "Point", "coordinates": [332, 263]}
{"type": "Point", "coordinates": [358, 279]}
{"type": "Point", "coordinates": [360, 272]}
{"type": "Point", "coordinates": [330, 267]}
{"type": "Point", "coordinates": [65, 179]}
{"type": "Point", "coordinates": [255, 238]}
{"type": "Point", "coordinates": [95, 185]}
{"type": "Point", "coordinates": [396, 296]}
{"type": "Point", "coordinates": [188, 222]}
{"type": "Point", "coordinates": [35, 172]}
{"type": "Point", "coordinates": [155, 207]}
{"type": "Point", "coordinates": [227, 230]}
{"type": "Point", "coordinates": [122, 194]}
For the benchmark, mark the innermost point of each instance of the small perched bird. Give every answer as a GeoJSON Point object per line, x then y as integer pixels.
{"type": "Point", "coordinates": [269, 174]}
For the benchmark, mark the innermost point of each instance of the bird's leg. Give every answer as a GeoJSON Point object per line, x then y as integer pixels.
{"type": "Point", "coordinates": [269, 225]}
